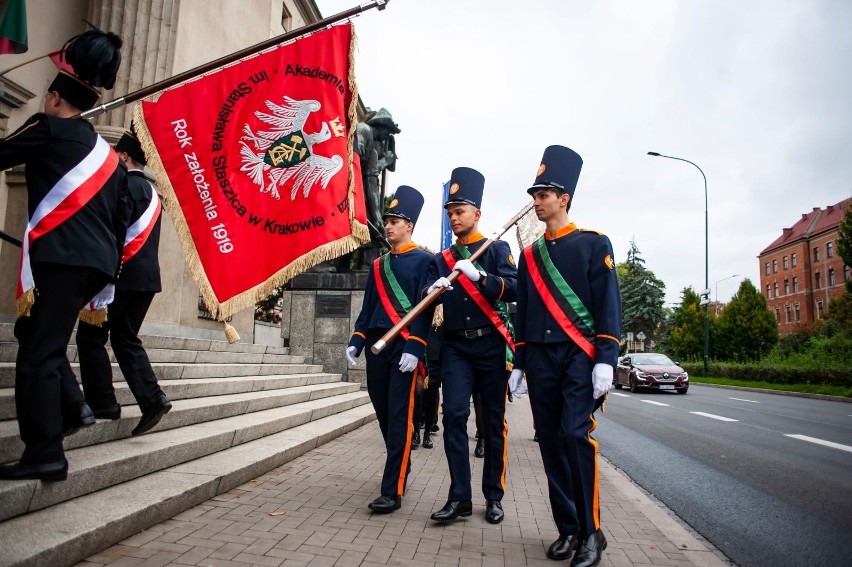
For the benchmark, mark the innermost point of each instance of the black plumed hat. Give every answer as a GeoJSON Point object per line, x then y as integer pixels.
{"type": "Point", "coordinates": [95, 57]}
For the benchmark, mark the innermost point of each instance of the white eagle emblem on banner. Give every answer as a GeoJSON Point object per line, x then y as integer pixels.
{"type": "Point", "coordinates": [286, 151]}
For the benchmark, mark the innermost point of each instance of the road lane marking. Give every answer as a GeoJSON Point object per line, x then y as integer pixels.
{"type": "Point", "coordinates": [742, 400]}
{"type": "Point", "coordinates": [710, 415]}
{"type": "Point", "coordinates": [820, 442]}
{"type": "Point", "coordinates": [655, 403]}
{"type": "Point", "coordinates": [618, 394]}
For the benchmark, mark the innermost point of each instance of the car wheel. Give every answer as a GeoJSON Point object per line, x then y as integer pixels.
{"type": "Point", "coordinates": [633, 387]}
{"type": "Point", "coordinates": [618, 386]}
{"type": "Point", "coordinates": [682, 391]}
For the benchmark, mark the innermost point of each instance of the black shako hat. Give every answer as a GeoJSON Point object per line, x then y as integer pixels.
{"type": "Point", "coordinates": [130, 143]}
{"type": "Point", "coordinates": [406, 204]}
{"type": "Point", "coordinates": [559, 169]}
{"type": "Point", "coordinates": [466, 187]}
{"type": "Point", "coordinates": [95, 57]}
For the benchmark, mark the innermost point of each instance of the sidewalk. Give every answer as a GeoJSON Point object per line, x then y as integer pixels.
{"type": "Point", "coordinates": [313, 511]}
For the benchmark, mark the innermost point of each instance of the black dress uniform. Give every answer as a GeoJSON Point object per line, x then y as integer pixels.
{"type": "Point", "coordinates": [392, 391]}
{"type": "Point", "coordinates": [139, 281]}
{"type": "Point", "coordinates": [473, 354]}
{"type": "Point", "coordinates": [559, 363]}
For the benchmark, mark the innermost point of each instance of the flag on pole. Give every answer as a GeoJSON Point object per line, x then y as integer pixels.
{"type": "Point", "coordinates": [446, 231]}
{"type": "Point", "coordinates": [256, 166]}
{"type": "Point", "coordinates": [13, 28]}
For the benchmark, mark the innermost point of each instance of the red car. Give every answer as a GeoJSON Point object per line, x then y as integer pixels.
{"type": "Point", "coordinates": [647, 370]}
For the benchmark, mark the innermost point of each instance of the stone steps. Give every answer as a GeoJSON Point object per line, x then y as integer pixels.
{"type": "Point", "coordinates": [238, 411]}
{"type": "Point", "coordinates": [75, 529]}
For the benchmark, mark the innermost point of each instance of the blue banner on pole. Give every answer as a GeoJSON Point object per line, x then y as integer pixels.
{"type": "Point", "coordinates": [446, 231]}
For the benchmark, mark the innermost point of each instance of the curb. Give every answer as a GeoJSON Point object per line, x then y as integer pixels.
{"type": "Point", "coordinates": [781, 392]}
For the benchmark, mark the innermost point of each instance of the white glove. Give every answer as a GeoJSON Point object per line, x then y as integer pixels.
{"type": "Point", "coordinates": [601, 379]}
{"type": "Point", "coordinates": [467, 268]}
{"type": "Point", "coordinates": [104, 297]}
{"type": "Point", "coordinates": [407, 362]}
{"type": "Point", "coordinates": [516, 383]}
{"type": "Point", "coordinates": [440, 282]}
{"type": "Point", "coordinates": [350, 355]}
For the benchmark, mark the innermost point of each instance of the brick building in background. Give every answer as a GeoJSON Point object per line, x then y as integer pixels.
{"type": "Point", "coordinates": [801, 271]}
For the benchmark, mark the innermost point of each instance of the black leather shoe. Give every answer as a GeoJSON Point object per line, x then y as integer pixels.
{"type": "Point", "coordinates": [84, 419]}
{"type": "Point", "coordinates": [415, 439]}
{"type": "Point", "coordinates": [385, 504]}
{"type": "Point", "coordinates": [453, 510]}
{"type": "Point", "coordinates": [152, 415]}
{"type": "Point", "coordinates": [434, 428]}
{"type": "Point", "coordinates": [43, 471]}
{"type": "Point", "coordinates": [479, 451]}
{"type": "Point", "coordinates": [562, 548]}
{"type": "Point", "coordinates": [590, 551]}
{"type": "Point", "coordinates": [535, 437]}
{"type": "Point", "coordinates": [427, 440]}
{"type": "Point", "coordinates": [493, 512]}
{"type": "Point", "coordinates": [112, 412]}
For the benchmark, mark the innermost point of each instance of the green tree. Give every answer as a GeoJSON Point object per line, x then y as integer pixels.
{"type": "Point", "coordinates": [747, 330]}
{"type": "Point", "coordinates": [642, 296]}
{"type": "Point", "coordinates": [687, 333]}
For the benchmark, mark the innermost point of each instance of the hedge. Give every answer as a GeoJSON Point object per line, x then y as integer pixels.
{"type": "Point", "coordinates": [772, 374]}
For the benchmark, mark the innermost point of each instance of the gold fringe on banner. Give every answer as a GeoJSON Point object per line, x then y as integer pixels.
{"type": "Point", "coordinates": [222, 310]}
{"type": "Point", "coordinates": [231, 334]}
{"type": "Point", "coordinates": [97, 317]}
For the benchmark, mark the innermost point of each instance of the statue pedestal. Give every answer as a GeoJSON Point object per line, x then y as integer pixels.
{"type": "Point", "coordinates": [318, 314]}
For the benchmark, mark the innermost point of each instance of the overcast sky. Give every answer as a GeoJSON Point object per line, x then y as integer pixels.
{"type": "Point", "coordinates": [757, 93]}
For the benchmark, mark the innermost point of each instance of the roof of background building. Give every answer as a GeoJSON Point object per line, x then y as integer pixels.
{"type": "Point", "coordinates": [811, 224]}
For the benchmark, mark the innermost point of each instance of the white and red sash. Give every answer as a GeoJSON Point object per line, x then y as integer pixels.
{"type": "Point", "coordinates": [139, 231]}
{"type": "Point", "coordinates": [67, 197]}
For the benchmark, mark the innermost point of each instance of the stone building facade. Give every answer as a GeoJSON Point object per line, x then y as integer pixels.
{"type": "Point", "coordinates": [161, 38]}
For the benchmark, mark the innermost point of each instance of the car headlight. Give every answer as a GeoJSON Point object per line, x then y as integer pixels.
{"type": "Point", "coordinates": [643, 375]}
{"type": "Point", "coordinates": [684, 375]}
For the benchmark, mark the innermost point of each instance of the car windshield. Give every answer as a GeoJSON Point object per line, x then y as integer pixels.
{"type": "Point", "coordinates": [652, 359]}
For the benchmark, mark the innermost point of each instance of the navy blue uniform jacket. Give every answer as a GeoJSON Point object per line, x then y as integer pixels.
{"type": "Point", "coordinates": [460, 311]}
{"type": "Point", "coordinates": [409, 265]}
{"type": "Point", "coordinates": [585, 260]}
{"type": "Point", "coordinates": [142, 271]}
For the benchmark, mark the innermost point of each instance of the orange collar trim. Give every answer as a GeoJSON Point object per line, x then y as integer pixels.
{"type": "Point", "coordinates": [564, 231]}
{"type": "Point", "coordinates": [473, 238]}
{"type": "Point", "coordinates": [408, 246]}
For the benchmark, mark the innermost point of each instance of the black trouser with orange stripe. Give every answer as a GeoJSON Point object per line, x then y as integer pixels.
{"type": "Point", "coordinates": [560, 383]}
{"type": "Point", "coordinates": [469, 365]}
{"type": "Point", "coordinates": [392, 394]}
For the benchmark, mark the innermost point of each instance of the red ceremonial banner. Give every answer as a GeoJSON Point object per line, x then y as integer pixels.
{"type": "Point", "coordinates": [256, 167]}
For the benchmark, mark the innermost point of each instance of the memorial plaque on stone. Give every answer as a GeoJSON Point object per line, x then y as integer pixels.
{"type": "Point", "coordinates": [334, 306]}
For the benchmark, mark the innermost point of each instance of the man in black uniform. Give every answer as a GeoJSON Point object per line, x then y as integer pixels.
{"type": "Point", "coordinates": [140, 280]}
{"type": "Point", "coordinates": [392, 289]}
{"type": "Point", "coordinates": [477, 334]}
{"type": "Point", "coordinates": [77, 218]}
{"type": "Point", "coordinates": [568, 325]}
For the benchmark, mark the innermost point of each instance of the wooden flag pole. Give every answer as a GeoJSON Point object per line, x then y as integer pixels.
{"type": "Point", "coordinates": [379, 345]}
{"type": "Point", "coordinates": [233, 57]}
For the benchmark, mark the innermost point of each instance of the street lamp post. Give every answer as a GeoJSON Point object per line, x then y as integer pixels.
{"type": "Point", "coordinates": [706, 258]}
{"type": "Point", "coordinates": [717, 290]}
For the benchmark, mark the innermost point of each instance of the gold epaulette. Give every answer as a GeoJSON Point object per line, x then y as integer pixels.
{"type": "Point", "coordinates": [591, 230]}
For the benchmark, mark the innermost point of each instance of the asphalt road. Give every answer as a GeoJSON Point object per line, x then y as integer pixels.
{"type": "Point", "coordinates": [765, 478]}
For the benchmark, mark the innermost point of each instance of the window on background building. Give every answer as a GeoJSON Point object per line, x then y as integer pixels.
{"type": "Point", "coordinates": [775, 289]}
{"type": "Point", "coordinates": [798, 313]}
{"type": "Point", "coordinates": [286, 19]}
{"type": "Point", "coordinates": [766, 268]}
{"type": "Point", "coordinates": [831, 277]}
{"type": "Point", "coordinates": [787, 310]}
{"type": "Point", "coordinates": [847, 272]}
{"type": "Point", "coordinates": [784, 262]}
{"type": "Point", "coordinates": [819, 310]}
{"type": "Point", "coordinates": [818, 280]}
{"type": "Point", "coordinates": [829, 249]}
{"type": "Point", "coordinates": [793, 260]}
{"type": "Point", "coordinates": [768, 291]}
{"type": "Point", "coordinates": [816, 254]}
{"type": "Point", "coordinates": [774, 266]}
{"type": "Point", "coordinates": [795, 284]}
{"type": "Point", "coordinates": [786, 287]}
{"type": "Point", "coordinates": [777, 315]}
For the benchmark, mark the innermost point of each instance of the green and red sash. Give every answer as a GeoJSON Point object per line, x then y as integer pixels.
{"type": "Point", "coordinates": [501, 323]}
{"type": "Point", "coordinates": [394, 301]}
{"type": "Point", "coordinates": [563, 304]}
